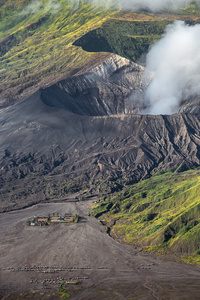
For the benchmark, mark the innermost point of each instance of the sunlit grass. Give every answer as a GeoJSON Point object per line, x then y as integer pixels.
{"type": "Point", "coordinates": [41, 43]}
{"type": "Point", "coordinates": [161, 213]}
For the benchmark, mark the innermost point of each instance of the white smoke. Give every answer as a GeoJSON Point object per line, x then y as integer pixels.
{"type": "Point", "coordinates": [153, 5]}
{"type": "Point", "coordinates": [174, 63]}
{"type": "Point", "coordinates": [37, 5]}
{"type": "Point", "coordinates": [156, 5]}
{"type": "Point", "coordinates": [96, 3]}
{"type": "Point", "coordinates": [32, 8]}
{"type": "Point", "coordinates": [54, 6]}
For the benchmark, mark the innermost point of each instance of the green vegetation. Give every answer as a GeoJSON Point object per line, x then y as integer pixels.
{"type": "Point", "coordinates": [63, 293]}
{"type": "Point", "coordinates": [76, 218]}
{"type": "Point", "coordinates": [37, 41]}
{"type": "Point", "coordinates": [36, 45]}
{"type": "Point", "coordinates": [160, 214]}
{"type": "Point", "coordinates": [129, 39]}
{"type": "Point", "coordinates": [191, 9]}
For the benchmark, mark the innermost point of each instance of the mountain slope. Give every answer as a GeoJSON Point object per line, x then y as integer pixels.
{"type": "Point", "coordinates": [161, 214]}
{"type": "Point", "coordinates": [52, 145]}
{"type": "Point", "coordinates": [36, 44]}
{"type": "Point", "coordinates": [38, 38]}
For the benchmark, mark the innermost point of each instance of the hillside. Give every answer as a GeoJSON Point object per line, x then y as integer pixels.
{"type": "Point", "coordinates": [160, 214]}
{"type": "Point", "coordinates": [36, 44]}
{"type": "Point", "coordinates": [38, 38]}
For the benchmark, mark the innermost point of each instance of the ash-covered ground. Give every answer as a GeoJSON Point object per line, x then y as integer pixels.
{"type": "Point", "coordinates": [83, 135]}
{"type": "Point", "coordinates": [35, 261]}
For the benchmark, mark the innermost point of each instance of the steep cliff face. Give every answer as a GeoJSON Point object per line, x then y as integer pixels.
{"type": "Point", "coordinates": [114, 87]}
{"type": "Point", "coordinates": [191, 105]}
{"type": "Point", "coordinates": [105, 90]}
{"type": "Point", "coordinates": [66, 138]}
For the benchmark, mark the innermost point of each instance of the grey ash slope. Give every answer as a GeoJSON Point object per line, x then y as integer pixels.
{"type": "Point", "coordinates": [105, 90]}
{"type": "Point", "coordinates": [48, 149]}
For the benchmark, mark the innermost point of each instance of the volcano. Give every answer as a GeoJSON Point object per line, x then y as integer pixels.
{"type": "Point", "coordinates": [85, 134]}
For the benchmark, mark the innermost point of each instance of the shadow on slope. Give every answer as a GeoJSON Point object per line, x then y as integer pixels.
{"type": "Point", "coordinates": [105, 90]}
{"type": "Point", "coordinates": [129, 39]}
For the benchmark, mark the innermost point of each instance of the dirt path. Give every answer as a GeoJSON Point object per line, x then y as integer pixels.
{"type": "Point", "coordinates": [151, 290]}
{"type": "Point", "coordinates": [110, 269]}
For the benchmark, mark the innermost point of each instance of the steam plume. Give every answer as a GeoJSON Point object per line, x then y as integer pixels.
{"type": "Point", "coordinates": [156, 5]}
{"type": "Point", "coordinates": [153, 5]}
{"type": "Point", "coordinates": [38, 5]}
{"type": "Point", "coordinates": [174, 62]}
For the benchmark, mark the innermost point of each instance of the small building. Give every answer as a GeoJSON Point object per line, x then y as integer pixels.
{"type": "Point", "coordinates": [40, 220]}
{"type": "Point", "coordinates": [69, 219]}
{"type": "Point", "coordinates": [54, 219]}
{"type": "Point", "coordinates": [62, 219]}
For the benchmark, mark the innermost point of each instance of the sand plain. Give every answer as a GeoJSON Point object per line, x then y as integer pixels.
{"type": "Point", "coordinates": [106, 269]}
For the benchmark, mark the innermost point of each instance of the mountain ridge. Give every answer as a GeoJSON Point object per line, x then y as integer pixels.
{"type": "Point", "coordinates": [37, 45]}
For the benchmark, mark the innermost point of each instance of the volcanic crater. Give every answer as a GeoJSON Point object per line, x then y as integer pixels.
{"type": "Point", "coordinates": [85, 133]}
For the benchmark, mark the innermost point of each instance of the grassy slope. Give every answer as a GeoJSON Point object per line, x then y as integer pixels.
{"type": "Point", "coordinates": [130, 39]}
{"type": "Point", "coordinates": [41, 44]}
{"type": "Point", "coordinates": [131, 34]}
{"type": "Point", "coordinates": [36, 45]}
{"type": "Point", "coordinates": [161, 214]}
